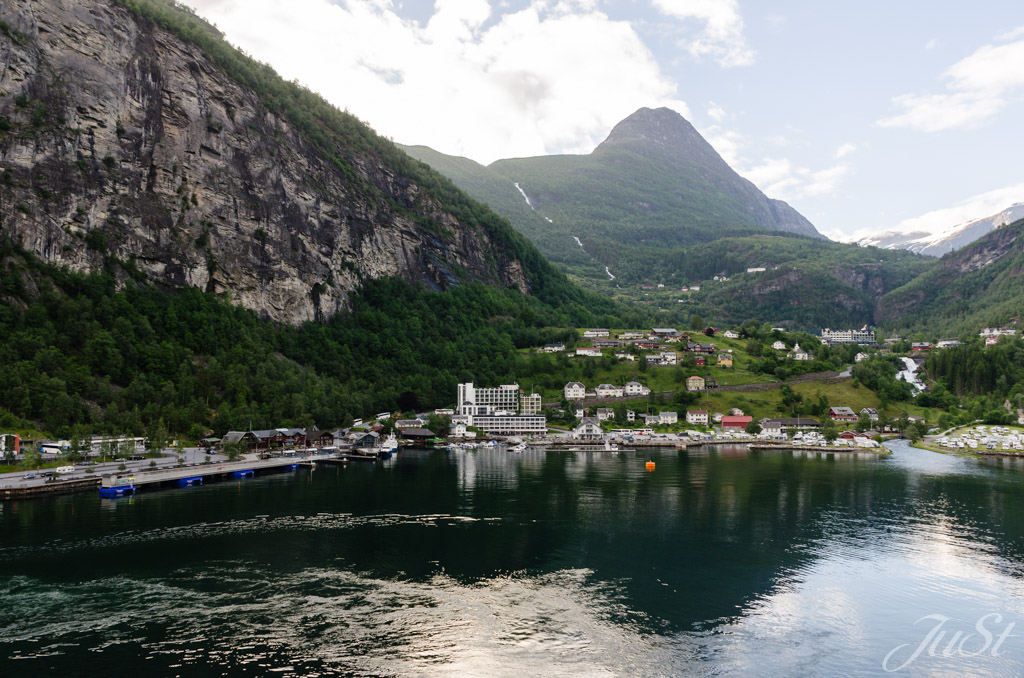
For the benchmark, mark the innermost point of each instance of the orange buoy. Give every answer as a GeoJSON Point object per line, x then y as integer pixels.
{"type": "Point", "coordinates": [650, 465]}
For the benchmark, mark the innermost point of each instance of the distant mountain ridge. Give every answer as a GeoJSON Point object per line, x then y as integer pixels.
{"type": "Point", "coordinates": [980, 284]}
{"type": "Point", "coordinates": [953, 238]}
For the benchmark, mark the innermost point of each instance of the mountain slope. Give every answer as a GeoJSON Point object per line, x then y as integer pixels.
{"type": "Point", "coordinates": [978, 285]}
{"type": "Point", "coordinates": [953, 238]}
{"type": "Point", "coordinates": [654, 184]}
{"type": "Point", "coordinates": [132, 130]}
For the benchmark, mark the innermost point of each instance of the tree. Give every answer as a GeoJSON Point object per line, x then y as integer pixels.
{"type": "Point", "coordinates": [863, 423]}
{"type": "Point", "coordinates": [753, 428]}
{"type": "Point", "coordinates": [33, 458]}
{"type": "Point", "coordinates": [697, 323]}
{"type": "Point", "coordinates": [829, 430]}
{"type": "Point", "coordinates": [158, 437]}
{"type": "Point", "coordinates": [232, 449]}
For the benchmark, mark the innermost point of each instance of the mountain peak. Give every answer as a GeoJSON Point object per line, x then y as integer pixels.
{"type": "Point", "coordinates": [658, 127]}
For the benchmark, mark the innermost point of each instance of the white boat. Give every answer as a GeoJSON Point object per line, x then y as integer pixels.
{"type": "Point", "coordinates": [610, 447]}
{"type": "Point", "coordinates": [389, 446]}
{"type": "Point", "coordinates": [521, 447]}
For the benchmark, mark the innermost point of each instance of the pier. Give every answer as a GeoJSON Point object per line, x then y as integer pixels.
{"type": "Point", "coordinates": [195, 475]}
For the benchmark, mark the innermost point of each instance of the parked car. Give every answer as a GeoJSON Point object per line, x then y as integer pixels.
{"type": "Point", "coordinates": [29, 476]}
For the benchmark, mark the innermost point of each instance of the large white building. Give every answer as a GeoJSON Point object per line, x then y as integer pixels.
{"type": "Point", "coordinates": [609, 391]}
{"type": "Point", "coordinates": [493, 410]}
{"type": "Point", "coordinates": [861, 336]}
{"type": "Point", "coordinates": [472, 400]}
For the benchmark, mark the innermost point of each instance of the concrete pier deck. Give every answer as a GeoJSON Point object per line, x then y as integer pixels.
{"type": "Point", "coordinates": [143, 478]}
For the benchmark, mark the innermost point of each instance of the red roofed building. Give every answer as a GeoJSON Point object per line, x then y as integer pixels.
{"type": "Point", "coordinates": [740, 423]}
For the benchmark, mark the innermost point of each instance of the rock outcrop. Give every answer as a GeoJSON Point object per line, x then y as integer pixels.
{"type": "Point", "coordinates": [120, 139]}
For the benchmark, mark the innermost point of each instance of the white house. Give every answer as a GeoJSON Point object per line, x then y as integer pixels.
{"type": "Point", "coordinates": [697, 417]}
{"type": "Point", "coordinates": [574, 390]}
{"type": "Point", "coordinates": [580, 412]}
{"type": "Point", "coordinates": [553, 348]}
{"type": "Point", "coordinates": [593, 334]}
{"type": "Point", "coordinates": [779, 346]}
{"type": "Point", "coordinates": [609, 391]}
{"type": "Point", "coordinates": [605, 413]}
{"type": "Point", "coordinates": [635, 388]}
{"type": "Point", "coordinates": [668, 417]}
{"type": "Point", "coordinates": [664, 358]}
{"type": "Point", "coordinates": [871, 413]}
{"type": "Point", "coordinates": [729, 334]}
{"type": "Point", "coordinates": [861, 357]}
{"type": "Point", "coordinates": [695, 383]}
{"type": "Point", "coordinates": [588, 430]}
{"type": "Point", "coordinates": [625, 355]}
{"type": "Point", "coordinates": [459, 431]}
{"type": "Point", "coordinates": [589, 351]}
{"type": "Point", "coordinates": [630, 415]}
{"type": "Point", "coordinates": [651, 419]}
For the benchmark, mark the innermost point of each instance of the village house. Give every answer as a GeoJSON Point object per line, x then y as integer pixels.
{"type": "Point", "coordinates": [574, 390]}
{"type": "Point", "coordinates": [697, 417]}
{"type": "Point", "coordinates": [594, 334]}
{"type": "Point", "coordinates": [842, 414]}
{"type": "Point", "coordinates": [779, 345]}
{"type": "Point", "coordinates": [664, 332]}
{"type": "Point", "coordinates": [734, 422]}
{"type": "Point", "coordinates": [625, 355]}
{"type": "Point", "coordinates": [695, 383]}
{"type": "Point", "coordinates": [588, 351]}
{"type": "Point", "coordinates": [724, 360]}
{"type": "Point", "coordinates": [652, 419]}
{"type": "Point", "coordinates": [861, 336]}
{"type": "Point", "coordinates": [730, 334]}
{"type": "Point", "coordinates": [649, 345]}
{"type": "Point", "coordinates": [920, 346]}
{"type": "Point", "coordinates": [668, 418]}
{"type": "Point", "coordinates": [553, 348]}
{"type": "Point", "coordinates": [701, 348]}
{"type": "Point", "coordinates": [777, 426]}
{"type": "Point", "coordinates": [460, 431]}
{"type": "Point", "coordinates": [580, 413]}
{"type": "Point", "coordinates": [605, 413]}
{"type": "Point", "coordinates": [408, 423]}
{"type": "Point", "coordinates": [947, 343]}
{"type": "Point", "coordinates": [319, 439]}
{"type": "Point", "coordinates": [871, 413]}
{"type": "Point", "coordinates": [630, 415]}
{"type": "Point", "coordinates": [632, 334]}
{"type": "Point", "coordinates": [700, 361]}
{"type": "Point", "coordinates": [635, 388]}
{"type": "Point", "coordinates": [606, 343]}
{"type": "Point", "coordinates": [663, 358]}
{"type": "Point", "coordinates": [589, 430]}
{"type": "Point", "coordinates": [609, 391]}
{"type": "Point", "coordinates": [861, 357]}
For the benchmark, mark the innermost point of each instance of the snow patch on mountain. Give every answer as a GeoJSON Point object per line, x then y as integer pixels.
{"type": "Point", "coordinates": [952, 238]}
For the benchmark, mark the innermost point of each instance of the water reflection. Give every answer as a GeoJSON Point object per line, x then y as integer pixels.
{"type": "Point", "coordinates": [490, 563]}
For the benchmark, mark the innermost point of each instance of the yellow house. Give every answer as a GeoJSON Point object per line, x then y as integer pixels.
{"type": "Point", "coordinates": [725, 360]}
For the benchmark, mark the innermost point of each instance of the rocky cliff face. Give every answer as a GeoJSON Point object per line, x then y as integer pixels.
{"type": "Point", "coordinates": [117, 138]}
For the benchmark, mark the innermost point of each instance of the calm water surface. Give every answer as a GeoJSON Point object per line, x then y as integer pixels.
{"type": "Point", "coordinates": [720, 562]}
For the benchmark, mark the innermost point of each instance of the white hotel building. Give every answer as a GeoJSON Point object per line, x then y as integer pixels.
{"type": "Point", "coordinates": [494, 410]}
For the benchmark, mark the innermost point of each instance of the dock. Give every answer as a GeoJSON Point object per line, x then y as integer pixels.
{"type": "Point", "coordinates": [196, 475]}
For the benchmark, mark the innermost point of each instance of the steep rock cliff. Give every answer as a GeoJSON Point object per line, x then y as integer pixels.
{"type": "Point", "coordinates": [118, 138]}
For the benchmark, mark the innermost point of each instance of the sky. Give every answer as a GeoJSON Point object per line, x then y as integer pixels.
{"type": "Point", "coordinates": [866, 117]}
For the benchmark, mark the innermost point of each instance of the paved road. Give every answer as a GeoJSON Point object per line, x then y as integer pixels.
{"type": "Point", "coordinates": [193, 455]}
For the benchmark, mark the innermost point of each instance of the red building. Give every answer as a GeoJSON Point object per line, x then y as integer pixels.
{"type": "Point", "coordinates": [736, 422]}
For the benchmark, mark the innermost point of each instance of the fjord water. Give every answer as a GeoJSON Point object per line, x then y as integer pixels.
{"type": "Point", "coordinates": [721, 561]}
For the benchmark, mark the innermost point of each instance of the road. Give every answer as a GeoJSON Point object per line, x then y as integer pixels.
{"type": "Point", "coordinates": [193, 455]}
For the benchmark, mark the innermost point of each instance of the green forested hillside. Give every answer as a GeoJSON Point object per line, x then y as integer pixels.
{"type": "Point", "coordinates": [103, 355]}
{"type": "Point", "coordinates": [977, 286]}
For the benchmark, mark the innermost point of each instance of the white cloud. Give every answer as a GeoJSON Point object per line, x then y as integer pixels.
{"type": "Point", "coordinates": [553, 77]}
{"type": "Point", "coordinates": [845, 150]}
{"type": "Point", "coordinates": [722, 37]}
{"type": "Point", "coordinates": [978, 87]}
{"type": "Point", "coordinates": [715, 112]}
{"type": "Point", "coordinates": [972, 208]}
{"type": "Point", "coordinates": [778, 177]}
{"type": "Point", "coordinates": [1011, 35]}
{"type": "Point", "coordinates": [931, 44]}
